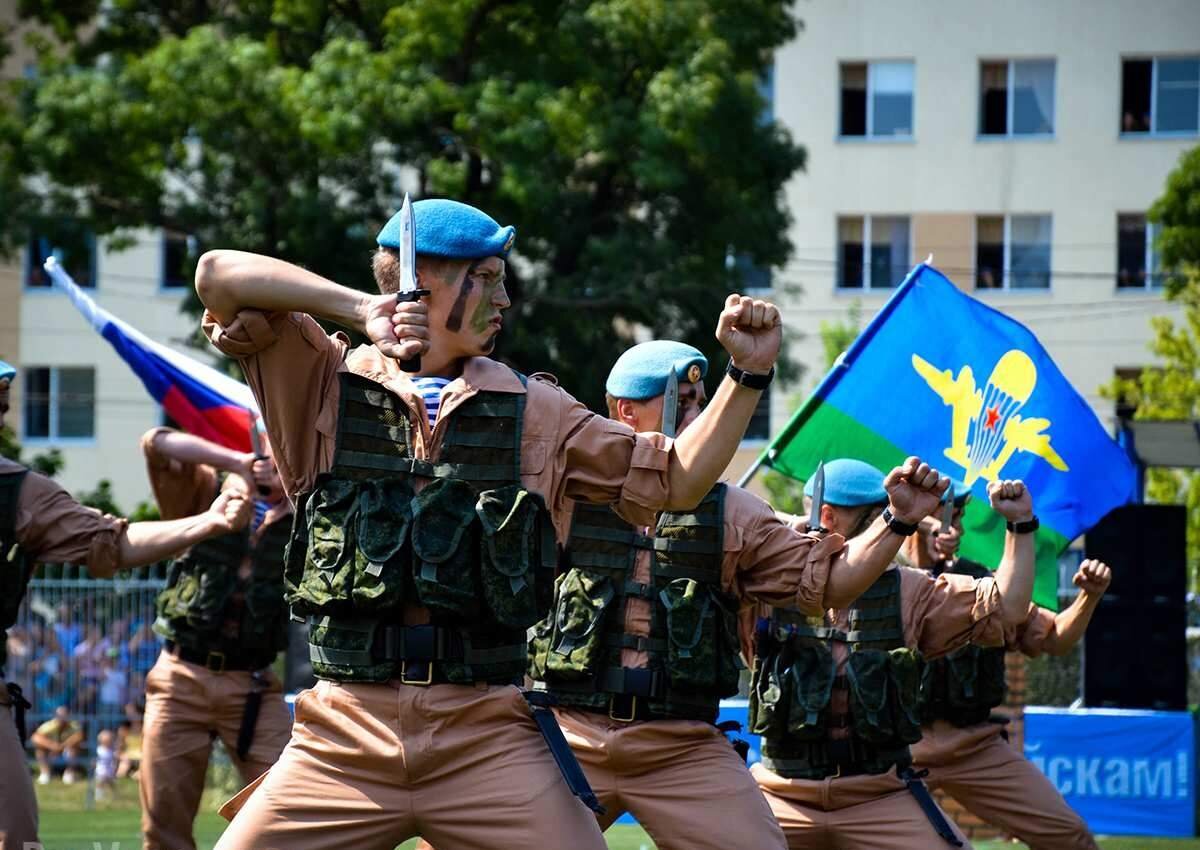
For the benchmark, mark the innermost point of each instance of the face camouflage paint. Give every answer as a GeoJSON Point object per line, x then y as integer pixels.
{"type": "Point", "coordinates": [455, 319]}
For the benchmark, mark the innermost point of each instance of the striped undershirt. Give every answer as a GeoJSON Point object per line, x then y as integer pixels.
{"type": "Point", "coordinates": [260, 513]}
{"type": "Point", "coordinates": [431, 390]}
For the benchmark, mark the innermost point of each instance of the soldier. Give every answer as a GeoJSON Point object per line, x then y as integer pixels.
{"type": "Point", "coordinates": [39, 521]}
{"type": "Point", "coordinates": [642, 642]}
{"type": "Point", "coordinates": [835, 697]}
{"type": "Point", "coordinates": [224, 620]}
{"type": "Point", "coordinates": [965, 751]}
{"type": "Point", "coordinates": [430, 508]}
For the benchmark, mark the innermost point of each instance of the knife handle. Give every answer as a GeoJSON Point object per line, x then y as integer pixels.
{"type": "Point", "coordinates": [412, 364]}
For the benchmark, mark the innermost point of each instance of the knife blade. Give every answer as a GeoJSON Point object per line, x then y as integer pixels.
{"type": "Point", "coordinates": [818, 499]}
{"type": "Point", "coordinates": [257, 447]}
{"type": "Point", "coordinates": [408, 290]}
{"type": "Point", "coordinates": [670, 411]}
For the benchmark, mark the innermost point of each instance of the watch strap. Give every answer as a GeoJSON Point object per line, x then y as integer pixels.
{"type": "Point", "coordinates": [748, 379]}
{"type": "Point", "coordinates": [1025, 527]}
{"type": "Point", "coordinates": [904, 529]}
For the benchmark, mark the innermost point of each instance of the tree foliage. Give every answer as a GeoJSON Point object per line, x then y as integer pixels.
{"type": "Point", "coordinates": [1171, 388]}
{"type": "Point", "coordinates": [626, 139]}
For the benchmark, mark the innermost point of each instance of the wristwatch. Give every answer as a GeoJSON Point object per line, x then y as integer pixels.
{"type": "Point", "coordinates": [1026, 527]}
{"type": "Point", "coordinates": [748, 379]}
{"type": "Point", "coordinates": [904, 529]}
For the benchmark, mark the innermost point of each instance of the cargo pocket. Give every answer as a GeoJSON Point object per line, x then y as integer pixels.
{"type": "Point", "coordinates": [577, 636]}
{"type": "Point", "coordinates": [811, 674]}
{"type": "Point", "coordinates": [867, 676]}
{"type": "Point", "coordinates": [770, 697]}
{"type": "Point", "coordinates": [445, 545]}
{"type": "Point", "coordinates": [905, 681]}
{"type": "Point", "coordinates": [510, 553]}
{"type": "Point", "coordinates": [691, 618]}
{"type": "Point", "coordinates": [384, 517]}
{"type": "Point", "coordinates": [328, 577]}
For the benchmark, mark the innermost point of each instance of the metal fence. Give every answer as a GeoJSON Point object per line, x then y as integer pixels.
{"type": "Point", "coordinates": [86, 644]}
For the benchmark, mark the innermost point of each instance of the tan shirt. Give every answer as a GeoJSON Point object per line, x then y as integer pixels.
{"type": "Point", "coordinates": [567, 452]}
{"type": "Point", "coordinates": [764, 560]}
{"type": "Point", "coordinates": [54, 528]}
{"type": "Point", "coordinates": [186, 489]}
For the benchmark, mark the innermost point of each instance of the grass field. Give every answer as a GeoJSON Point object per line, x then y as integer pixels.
{"type": "Point", "coordinates": [115, 825]}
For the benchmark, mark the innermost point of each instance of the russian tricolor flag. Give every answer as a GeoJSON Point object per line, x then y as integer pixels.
{"type": "Point", "coordinates": [202, 400]}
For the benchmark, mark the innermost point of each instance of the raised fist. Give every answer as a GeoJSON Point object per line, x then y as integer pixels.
{"type": "Point", "coordinates": [1092, 577]}
{"type": "Point", "coordinates": [914, 490]}
{"type": "Point", "coordinates": [231, 510]}
{"type": "Point", "coordinates": [751, 331]}
{"type": "Point", "coordinates": [399, 329]}
{"type": "Point", "coordinates": [1011, 500]}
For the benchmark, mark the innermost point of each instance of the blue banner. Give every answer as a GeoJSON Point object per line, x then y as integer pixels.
{"type": "Point", "coordinates": [1124, 772]}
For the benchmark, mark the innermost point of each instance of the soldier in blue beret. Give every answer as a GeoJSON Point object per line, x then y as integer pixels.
{"type": "Point", "coordinates": [431, 500]}
{"type": "Point", "coordinates": [837, 770]}
{"type": "Point", "coordinates": [964, 744]}
{"type": "Point", "coordinates": [643, 642]}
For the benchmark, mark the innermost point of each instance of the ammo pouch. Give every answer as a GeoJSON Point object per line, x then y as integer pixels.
{"type": "Point", "coordinates": [884, 695]}
{"type": "Point", "coordinates": [195, 597]}
{"type": "Point", "coordinates": [698, 655]}
{"type": "Point", "coordinates": [566, 646]}
{"type": "Point", "coordinates": [790, 695]}
{"type": "Point", "coordinates": [964, 686]}
{"type": "Point", "coordinates": [445, 539]}
{"type": "Point", "coordinates": [517, 540]}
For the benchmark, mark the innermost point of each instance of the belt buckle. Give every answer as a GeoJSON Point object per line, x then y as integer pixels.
{"type": "Point", "coordinates": [208, 662]}
{"type": "Point", "coordinates": [632, 708]}
{"type": "Point", "coordinates": [428, 680]}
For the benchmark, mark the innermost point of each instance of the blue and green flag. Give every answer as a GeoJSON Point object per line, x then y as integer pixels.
{"type": "Point", "coordinates": [971, 391]}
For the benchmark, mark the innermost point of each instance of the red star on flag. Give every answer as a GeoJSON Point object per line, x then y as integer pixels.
{"type": "Point", "coordinates": [993, 416]}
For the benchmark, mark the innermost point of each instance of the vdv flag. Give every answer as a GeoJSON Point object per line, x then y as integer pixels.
{"type": "Point", "coordinates": [202, 400]}
{"type": "Point", "coordinates": [971, 391]}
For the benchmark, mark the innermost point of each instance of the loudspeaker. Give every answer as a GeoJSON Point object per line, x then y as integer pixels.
{"type": "Point", "coordinates": [1135, 650]}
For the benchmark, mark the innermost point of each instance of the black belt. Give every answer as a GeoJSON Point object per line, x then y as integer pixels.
{"type": "Point", "coordinates": [837, 757]}
{"type": "Point", "coordinates": [215, 661]}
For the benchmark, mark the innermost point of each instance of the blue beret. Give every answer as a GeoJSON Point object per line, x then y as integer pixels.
{"type": "Point", "coordinates": [641, 372]}
{"type": "Point", "coordinates": [453, 230]}
{"type": "Point", "coordinates": [851, 483]}
{"type": "Point", "coordinates": [7, 371]}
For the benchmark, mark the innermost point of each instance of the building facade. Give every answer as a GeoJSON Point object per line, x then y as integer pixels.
{"type": "Point", "coordinates": [1020, 145]}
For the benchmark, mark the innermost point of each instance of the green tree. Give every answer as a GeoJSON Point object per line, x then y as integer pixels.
{"type": "Point", "coordinates": [625, 138]}
{"type": "Point", "coordinates": [1171, 388]}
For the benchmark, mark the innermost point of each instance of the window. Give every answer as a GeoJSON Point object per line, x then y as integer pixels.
{"type": "Point", "coordinates": [887, 260]}
{"type": "Point", "coordinates": [760, 422]}
{"type": "Point", "coordinates": [1012, 252]}
{"type": "Point", "coordinates": [1137, 263]}
{"type": "Point", "coordinates": [1161, 96]}
{"type": "Point", "coordinates": [179, 256]}
{"type": "Point", "coordinates": [1016, 98]}
{"type": "Point", "coordinates": [74, 246]}
{"type": "Point", "coordinates": [59, 402]}
{"type": "Point", "coordinates": [877, 99]}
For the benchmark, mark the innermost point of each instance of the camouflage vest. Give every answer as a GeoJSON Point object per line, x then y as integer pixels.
{"type": "Point", "coordinates": [795, 676]}
{"type": "Point", "coordinates": [206, 607]}
{"type": "Point", "coordinates": [692, 647]}
{"type": "Point", "coordinates": [16, 565]}
{"type": "Point", "coordinates": [474, 547]}
{"type": "Point", "coordinates": [964, 686]}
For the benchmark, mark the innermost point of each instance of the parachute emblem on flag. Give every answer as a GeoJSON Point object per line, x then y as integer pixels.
{"type": "Point", "coordinates": [986, 428]}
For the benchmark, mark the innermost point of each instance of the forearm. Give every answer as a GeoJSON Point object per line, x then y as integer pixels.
{"type": "Point", "coordinates": [1014, 578]}
{"type": "Point", "coordinates": [190, 449]}
{"type": "Point", "coordinates": [1070, 624]}
{"type": "Point", "coordinates": [230, 281]}
{"type": "Point", "coordinates": [861, 563]}
{"type": "Point", "coordinates": [704, 450]}
{"type": "Point", "coordinates": [147, 542]}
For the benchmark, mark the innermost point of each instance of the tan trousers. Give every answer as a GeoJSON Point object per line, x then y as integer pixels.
{"type": "Point", "coordinates": [187, 707]}
{"type": "Point", "coordinates": [995, 782]}
{"type": "Point", "coordinates": [854, 813]}
{"type": "Point", "coordinates": [18, 805]}
{"type": "Point", "coordinates": [680, 778]}
{"type": "Point", "coordinates": [372, 765]}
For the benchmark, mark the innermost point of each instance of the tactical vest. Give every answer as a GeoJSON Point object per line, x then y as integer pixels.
{"type": "Point", "coordinates": [474, 547]}
{"type": "Point", "coordinates": [692, 647]}
{"type": "Point", "coordinates": [16, 565]}
{"type": "Point", "coordinates": [206, 607]}
{"type": "Point", "coordinates": [795, 676]}
{"type": "Point", "coordinates": [964, 686]}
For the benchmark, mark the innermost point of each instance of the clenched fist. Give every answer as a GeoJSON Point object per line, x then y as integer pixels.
{"type": "Point", "coordinates": [1011, 500]}
{"type": "Point", "coordinates": [751, 331]}
{"type": "Point", "coordinates": [914, 490]}
{"type": "Point", "coordinates": [231, 511]}
{"type": "Point", "coordinates": [399, 329]}
{"type": "Point", "coordinates": [1092, 577]}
